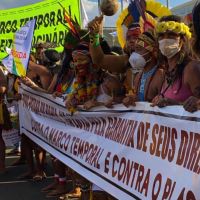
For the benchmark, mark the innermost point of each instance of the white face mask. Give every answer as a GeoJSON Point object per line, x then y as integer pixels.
{"type": "Point", "coordinates": [137, 61]}
{"type": "Point", "coordinates": [169, 47]}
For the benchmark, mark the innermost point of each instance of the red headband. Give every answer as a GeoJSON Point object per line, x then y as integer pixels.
{"type": "Point", "coordinates": [135, 31]}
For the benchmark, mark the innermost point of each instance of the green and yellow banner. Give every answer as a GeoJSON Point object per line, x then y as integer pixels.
{"type": "Point", "coordinates": [50, 23]}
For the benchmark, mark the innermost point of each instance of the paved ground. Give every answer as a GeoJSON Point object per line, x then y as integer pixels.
{"type": "Point", "coordinates": [11, 188]}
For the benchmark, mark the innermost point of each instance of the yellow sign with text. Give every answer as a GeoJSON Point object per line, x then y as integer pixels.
{"type": "Point", "coordinates": [50, 23]}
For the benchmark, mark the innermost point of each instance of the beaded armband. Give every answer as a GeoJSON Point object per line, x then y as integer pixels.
{"type": "Point", "coordinates": [94, 40]}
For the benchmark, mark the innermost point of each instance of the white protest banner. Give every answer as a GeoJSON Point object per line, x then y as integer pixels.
{"type": "Point", "coordinates": [11, 137]}
{"type": "Point", "coordinates": [140, 153]}
{"type": "Point", "coordinates": [17, 61]}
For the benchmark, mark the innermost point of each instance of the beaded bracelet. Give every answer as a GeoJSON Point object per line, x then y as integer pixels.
{"type": "Point", "coordinates": [94, 40]}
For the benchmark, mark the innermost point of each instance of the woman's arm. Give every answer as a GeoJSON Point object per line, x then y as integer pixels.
{"type": "Point", "coordinates": [192, 78]}
{"type": "Point", "coordinates": [53, 84]}
{"type": "Point", "coordinates": [27, 81]}
{"type": "Point", "coordinates": [42, 72]}
{"type": "Point", "coordinates": [109, 62]}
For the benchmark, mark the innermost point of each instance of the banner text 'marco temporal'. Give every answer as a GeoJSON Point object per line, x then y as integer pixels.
{"type": "Point", "coordinates": [150, 157]}
{"type": "Point", "coordinates": [167, 143]}
{"type": "Point", "coordinates": [50, 23]}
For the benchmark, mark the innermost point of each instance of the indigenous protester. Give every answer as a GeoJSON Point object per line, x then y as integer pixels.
{"type": "Point", "coordinates": [12, 97]}
{"type": "Point", "coordinates": [147, 84]}
{"type": "Point", "coordinates": [182, 77]}
{"type": "Point", "coordinates": [40, 47]}
{"type": "Point", "coordinates": [132, 34]}
{"type": "Point", "coordinates": [44, 76]}
{"type": "Point", "coordinates": [86, 78]}
{"type": "Point", "coordinates": [41, 78]}
{"type": "Point", "coordinates": [5, 122]}
{"type": "Point", "coordinates": [84, 87]}
{"type": "Point", "coordinates": [111, 63]}
{"type": "Point", "coordinates": [61, 87]}
{"type": "Point", "coordinates": [111, 89]}
{"type": "Point", "coordinates": [119, 63]}
{"type": "Point", "coordinates": [39, 75]}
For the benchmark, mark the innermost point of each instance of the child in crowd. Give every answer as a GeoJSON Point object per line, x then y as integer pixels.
{"type": "Point", "coordinates": [111, 91]}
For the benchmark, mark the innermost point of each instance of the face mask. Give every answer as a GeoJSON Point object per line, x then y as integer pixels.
{"type": "Point", "coordinates": [169, 47]}
{"type": "Point", "coordinates": [137, 61]}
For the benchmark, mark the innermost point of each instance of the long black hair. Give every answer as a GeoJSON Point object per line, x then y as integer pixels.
{"type": "Point", "coordinates": [196, 27]}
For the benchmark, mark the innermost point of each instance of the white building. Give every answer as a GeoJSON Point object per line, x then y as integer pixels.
{"type": "Point", "coordinates": [184, 8]}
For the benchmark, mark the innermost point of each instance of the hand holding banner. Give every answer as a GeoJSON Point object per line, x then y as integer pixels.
{"type": "Point", "coordinates": [17, 61]}
{"type": "Point", "coordinates": [138, 153]}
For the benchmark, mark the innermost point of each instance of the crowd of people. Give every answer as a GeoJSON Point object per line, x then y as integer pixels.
{"type": "Point", "coordinates": [156, 66]}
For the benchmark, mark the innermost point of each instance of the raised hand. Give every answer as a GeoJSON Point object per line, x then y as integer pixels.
{"type": "Point", "coordinates": [95, 26]}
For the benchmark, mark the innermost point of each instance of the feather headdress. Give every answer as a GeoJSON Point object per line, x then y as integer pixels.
{"type": "Point", "coordinates": [139, 11]}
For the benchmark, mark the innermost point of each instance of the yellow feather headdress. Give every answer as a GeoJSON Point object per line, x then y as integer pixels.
{"type": "Point", "coordinates": [154, 10]}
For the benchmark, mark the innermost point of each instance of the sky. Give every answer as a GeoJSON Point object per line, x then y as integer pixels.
{"type": "Point", "coordinates": [5, 4]}
{"type": "Point", "coordinates": [90, 7]}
